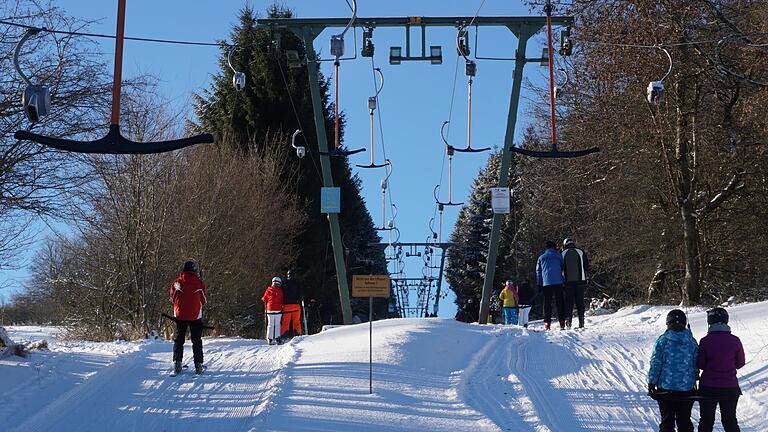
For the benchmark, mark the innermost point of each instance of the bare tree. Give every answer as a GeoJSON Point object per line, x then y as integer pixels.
{"type": "Point", "coordinates": [33, 178]}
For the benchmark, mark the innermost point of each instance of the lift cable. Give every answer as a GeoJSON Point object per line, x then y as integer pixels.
{"type": "Point", "coordinates": [295, 112]}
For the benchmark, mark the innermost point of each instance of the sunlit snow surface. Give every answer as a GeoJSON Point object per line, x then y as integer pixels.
{"type": "Point", "coordinates": [428, 375]}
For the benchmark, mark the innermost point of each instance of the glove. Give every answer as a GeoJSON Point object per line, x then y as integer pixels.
{"type": "Point", "coordinates": [651, 389]}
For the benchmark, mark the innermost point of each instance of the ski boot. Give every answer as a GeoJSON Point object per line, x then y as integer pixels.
{"type": "Point", "coordinates": [546, 326]}
{"type": "Point", "coordinates": [199, 368]}
{"type": "Point", "coordinates": [562, 325]}
{"type": "Point", "coordinates": [177, 367]}
{"type": "Point", "coordinates": [568, 324]}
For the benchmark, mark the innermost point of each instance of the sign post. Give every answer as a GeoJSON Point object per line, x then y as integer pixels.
{"type": "Point", "coordinates": [370, 286]}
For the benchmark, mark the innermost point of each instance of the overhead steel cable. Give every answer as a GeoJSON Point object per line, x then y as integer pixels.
{"type": "Point", "coordinates": [106, 36]}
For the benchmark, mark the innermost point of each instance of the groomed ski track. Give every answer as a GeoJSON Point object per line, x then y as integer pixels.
{"type": "Point", "coordinates": [429, 375]}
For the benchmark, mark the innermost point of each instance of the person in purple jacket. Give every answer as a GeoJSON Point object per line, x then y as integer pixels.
{"type": "Point", "coordinates": [720, 354]}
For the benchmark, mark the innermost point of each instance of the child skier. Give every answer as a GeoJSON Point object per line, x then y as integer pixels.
{"type": "Point", "coordinates": [509, 297]}
{"type": "Point", "coordinates": [273, 306]}
{"type": "Point", "coordinates": [673, 373]}
{"type": "Point", "coordinates": [720, 354]}
{"type": "Point", "coordinates": [188, 295]}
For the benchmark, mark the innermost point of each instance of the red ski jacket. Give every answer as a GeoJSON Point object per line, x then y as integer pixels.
{"type": "Point", "coordinates": [188, 295]}
{"type": "Point", "coordinates": [273, 298]}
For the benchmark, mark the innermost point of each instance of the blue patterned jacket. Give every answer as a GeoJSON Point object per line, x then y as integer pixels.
{"type": "Point", "coordinates": [673, 363]}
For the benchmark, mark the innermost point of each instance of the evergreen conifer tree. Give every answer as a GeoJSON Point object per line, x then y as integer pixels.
{"type": "Point", "coordinates": [466, 261]}
{"type": "Point", "coordinates": [277, 100]}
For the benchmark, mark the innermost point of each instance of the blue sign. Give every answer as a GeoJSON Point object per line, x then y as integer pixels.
{"type": "Point", "coordinates": [330, 200]}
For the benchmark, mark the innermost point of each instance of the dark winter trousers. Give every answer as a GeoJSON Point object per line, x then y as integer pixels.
{"type": "Point", "coordinates": [574, 295]}
{"type": "Point", "coordinates": [676, 412]}
{"type": "Point", "coordinates": [196, 330]}
{"type": "Point", "coordinates": [557, 291]}
{"type": "Point", "coordinates": [727, 399]}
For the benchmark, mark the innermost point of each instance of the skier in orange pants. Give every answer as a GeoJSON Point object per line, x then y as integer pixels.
{"type": "Point", "coordinates": [291, 324]}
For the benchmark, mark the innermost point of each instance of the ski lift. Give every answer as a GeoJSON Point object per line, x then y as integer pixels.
{"type": "Point", "coordinates": [292, 58]}
{"type": "Point", "coordinates": [450, 151]}
{"type": "Point", "coordinates": [238, 78]}
{"type": "Point", "coordinates": [560, 89]}
{"type": "Point", "coordinates": [386, 226]}
{"type": "Point", "coordinates": [554, 153]}
{"type": "Point", "coordinates": [114, 142]}
{"type": "Point", "coordinates": [368, 47]}
{"type": "Point", "coordinates": [566, 45]}
{"type": "Point", "coordinates": [470, 70]}
{"type": "Point", "coordinates": [433, 233]}
{"type": "Point", "coordinates": [372, 101]}
{"type": "Point", "coordinates": [337, 51]}
{"type": "Point", "coordinates": [301, 151]}
{"type": "Point", "coordinates": [655, 92]}
{"type": "Point", "coordinates": [36, 99]}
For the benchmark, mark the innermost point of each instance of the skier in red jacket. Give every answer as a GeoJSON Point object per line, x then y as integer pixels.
{"type": "Point", "coordinates": [188, 295]}
{"type": "Point", "coordinates": [273, 306]}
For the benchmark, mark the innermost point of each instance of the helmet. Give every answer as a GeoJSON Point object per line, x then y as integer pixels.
{"type": "Point", "coordinates": [190, 266]}
{"type": "Point", "coordinates": [568, 242]}
{"type": "Point", "coordinates": [509, 282]}
{"type": "Point", "coordinates": [717, 315]}
{"type": "Point", "coordinates": [276, 281]}
{"type": "Point", "coordinates": [676, 316]}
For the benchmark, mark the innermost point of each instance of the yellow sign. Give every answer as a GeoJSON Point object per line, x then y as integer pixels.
{"type": "Point", "coordinates": [370, 286]}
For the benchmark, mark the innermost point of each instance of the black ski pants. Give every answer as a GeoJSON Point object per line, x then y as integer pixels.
{"type": "Point", "coordinates": [558, 293]}
{"type": "Point", "coordinates": [676, 412]}
{"type": "Point", "coordinates": [196, 330]}
{"type": "Point", "coordinates": [574, 296]}
{"type": "Point", "coordinates": [728, 399]}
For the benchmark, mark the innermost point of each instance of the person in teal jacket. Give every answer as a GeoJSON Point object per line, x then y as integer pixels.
{"type": "Point", "coordinates": [673, 373]}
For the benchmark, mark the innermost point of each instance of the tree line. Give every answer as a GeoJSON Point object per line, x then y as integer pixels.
{"type": "Point", "coordinates": [673, 208]}
{"type": "Point", "coordinates": [245, 207]}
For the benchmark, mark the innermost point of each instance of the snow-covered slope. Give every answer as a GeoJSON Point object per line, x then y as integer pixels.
{"type": "Point", "coordinates": [428, 375]}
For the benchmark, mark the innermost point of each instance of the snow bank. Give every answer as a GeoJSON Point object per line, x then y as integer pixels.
{"type": "Point", "coordinates": [428, 375]}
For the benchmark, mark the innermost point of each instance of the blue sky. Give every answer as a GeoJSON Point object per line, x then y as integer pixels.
{"type": "Point", "coordinates": [414, 103]}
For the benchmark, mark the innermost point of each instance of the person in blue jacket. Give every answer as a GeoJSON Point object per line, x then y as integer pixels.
{"type": "Point", "coordinates": [673, 373]}
{"type": "Point", "coordinates": [549, 278]}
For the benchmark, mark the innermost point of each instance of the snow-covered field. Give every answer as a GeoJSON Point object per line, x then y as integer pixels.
{"type": "Point", "coordinates": [428, 375]}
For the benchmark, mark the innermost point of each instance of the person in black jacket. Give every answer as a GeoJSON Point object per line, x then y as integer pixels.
{"type": "Point", "coordinates": [527, 295]}
{"type": "Point", "coordinates": [575, 266]}
{"type": "Point", "coordinates": [292, 296]}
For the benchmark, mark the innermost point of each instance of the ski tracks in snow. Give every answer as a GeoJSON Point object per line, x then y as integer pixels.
{"type": "Point", "coordinates": [136, 393]}
{"type": "Point", "coordinates": [529, 380]}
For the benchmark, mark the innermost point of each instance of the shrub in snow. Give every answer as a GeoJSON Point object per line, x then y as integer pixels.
{"type": "Point", "coordinates": [603, 306]}
{"type": "Point", "coordinates": [9, 348]}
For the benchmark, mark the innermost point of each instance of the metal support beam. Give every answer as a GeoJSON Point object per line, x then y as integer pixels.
{"type": "Point", "coordinates": [308, 35]}
{"type": "Point", "coordinates": [439, 283]}
{"type": "Point", "coordinates": [506, 159]}
{"type": "Point", "coordinates": [515, 23]}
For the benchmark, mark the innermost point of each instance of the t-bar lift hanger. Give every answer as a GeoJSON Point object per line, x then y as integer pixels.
{"type": "Point", "coordinates": [114, 142]}
{"type": "Point", "coordinates": [386, 225]}
{"type": "Point", "coordinates": [470, 70]}
{"type": "Point", "coordinates": [372, 101]}
{"type": "Point", "coordinates": [337, 51]}
{"type": "Point", "coordinates": [554, 153]}
{"type": "Point", "coordinates": [449, 150]}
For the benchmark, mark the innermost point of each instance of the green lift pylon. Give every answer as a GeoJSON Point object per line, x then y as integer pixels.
{"type": "Point", "coordinates": [309, 28]}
